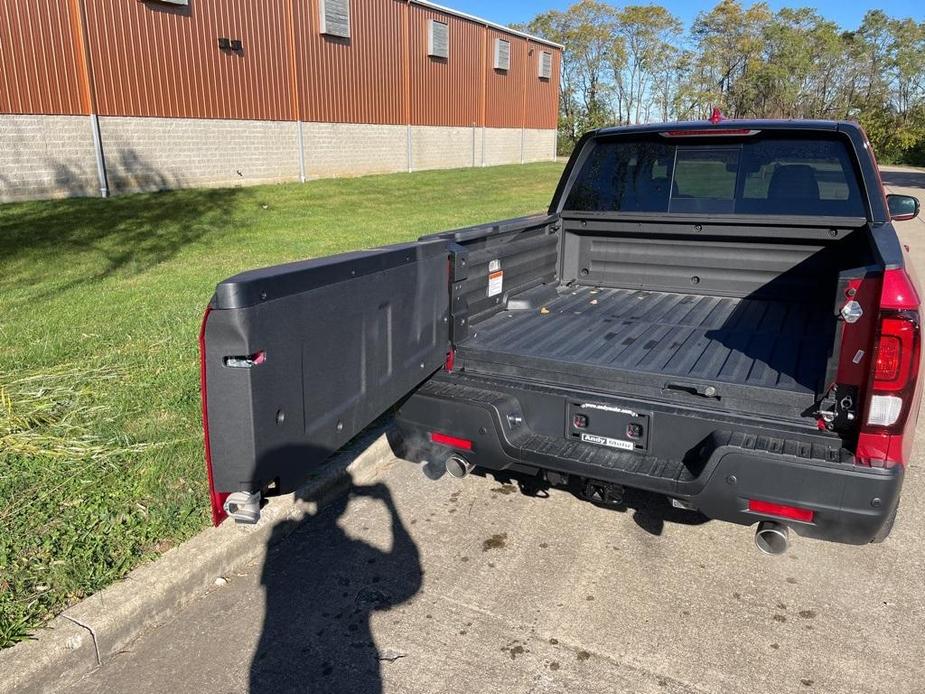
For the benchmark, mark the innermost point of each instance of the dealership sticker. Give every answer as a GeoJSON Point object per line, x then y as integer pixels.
{"type": "Point", "coordinates": [495, 278]}
{"type": "Point", "coordinates": [607, 441]}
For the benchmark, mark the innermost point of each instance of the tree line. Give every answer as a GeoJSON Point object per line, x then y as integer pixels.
{"type": "Point", "coordinates": [639, 63]}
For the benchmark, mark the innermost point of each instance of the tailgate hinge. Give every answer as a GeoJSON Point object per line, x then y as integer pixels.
{"type": "Point", "coordinates": [243, 507]}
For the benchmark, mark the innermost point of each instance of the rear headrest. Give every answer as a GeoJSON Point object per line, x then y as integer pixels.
{"type": "Point", "coordinates": [794, 182]}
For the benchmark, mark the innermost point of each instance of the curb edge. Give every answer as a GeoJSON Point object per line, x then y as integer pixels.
{"type": "Point", "coordinates": [87, 635]}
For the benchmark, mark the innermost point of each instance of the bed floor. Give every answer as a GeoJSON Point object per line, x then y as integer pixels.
{"type": "Point", "coordinates": [755, 342]}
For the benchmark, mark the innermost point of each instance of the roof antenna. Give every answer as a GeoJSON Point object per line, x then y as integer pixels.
{"type": "Point", "coordinates": [716, 116]}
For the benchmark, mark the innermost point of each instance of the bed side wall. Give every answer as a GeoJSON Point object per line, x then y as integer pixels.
{"type": "Point", "coordinates": [713, 261]}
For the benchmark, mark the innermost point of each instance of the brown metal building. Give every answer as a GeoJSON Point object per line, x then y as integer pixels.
{"type": "Point", "coordinates": [413, 84]}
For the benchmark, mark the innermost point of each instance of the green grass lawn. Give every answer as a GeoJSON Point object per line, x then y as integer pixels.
{"type": "Point", "coordinates": [100, 301]}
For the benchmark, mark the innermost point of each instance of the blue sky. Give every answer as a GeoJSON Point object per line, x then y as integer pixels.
{"type": "Point", "coordinates": [847, 13]}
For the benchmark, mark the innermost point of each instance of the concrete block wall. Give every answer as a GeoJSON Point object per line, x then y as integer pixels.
{"type": "Point", "coordinates": [160, 153]}
{"type": "Point", "coordinates": [53, 156]}
{"type": "Point", "coordinates": [445, 147]}
{"type": "Point", "coordinates": [539, 145]}
{"type": "Point", "coordinates": [46, 156]}
{"type": "Point", "coordinates": [352, 149]}
{"type": "Point", "coordinates": [502, 146]}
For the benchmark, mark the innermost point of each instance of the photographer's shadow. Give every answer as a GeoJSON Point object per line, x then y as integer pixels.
{"type": "Point", "coordinates": [322, 587]}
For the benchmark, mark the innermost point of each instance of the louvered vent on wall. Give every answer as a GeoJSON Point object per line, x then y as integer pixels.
{"type": "Point", "coordinates": [438, 39]}
{"type": "Point", "coordinates": [545, 65]}
{"type": "Point", "coordinates": [502, 54]}
{"type": "Point", "coordinates": [335, 17]}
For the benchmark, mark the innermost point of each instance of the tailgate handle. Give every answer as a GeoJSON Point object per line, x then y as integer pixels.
{"type": "Point", "coordinates": [245, 361]}
{"type": "Point", "coordinates": [704, 391]}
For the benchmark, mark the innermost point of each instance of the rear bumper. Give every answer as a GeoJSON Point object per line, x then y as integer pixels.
{"type": "Point", "coordinates": [718, 475]}
{"type": "Point", "coordinates": [850, 504]}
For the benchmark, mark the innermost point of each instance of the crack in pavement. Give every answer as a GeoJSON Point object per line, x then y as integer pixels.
{"type": "Point", "coordinates": [96, 645]}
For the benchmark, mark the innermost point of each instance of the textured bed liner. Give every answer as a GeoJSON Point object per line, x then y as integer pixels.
{"type": "Point", "coordinates": [778, 345]}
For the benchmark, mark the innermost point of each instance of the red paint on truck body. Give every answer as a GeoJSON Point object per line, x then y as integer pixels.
{"type": "Point", "coordinates": [894, 372]}
{"type": "Point", "coordinates": [216, 498]}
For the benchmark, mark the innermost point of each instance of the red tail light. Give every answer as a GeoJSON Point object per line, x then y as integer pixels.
{"type": "Point", "coordinates": [711, 132]}
{"type": "Point", "coordinates": [895, 372]}
{"type": "Point", "coordinates": [886, 436]}
{"type": "Point", "coordinates": [897, 347]}
{"type": "Point", "coordinates": [451, 441]}
{"type": "Point", "coordinates": [889, 356]}
{"type": "Point", "coordinates": [767, 508]}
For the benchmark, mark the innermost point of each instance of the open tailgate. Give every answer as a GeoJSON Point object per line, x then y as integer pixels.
{"type": "Point", "coordinates": [299, 358]}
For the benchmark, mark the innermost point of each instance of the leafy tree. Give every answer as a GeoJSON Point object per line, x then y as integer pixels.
{"type": "Point", "coordinates": [729, 43]}
{"type": "Point", "coordinates": [636, 63]}
{"type": "Point", "coordinates": [648, 34]}
{"type": "Point", "coordinates": [587, 29]}
{"type": "Point", "coordinates": [797, 74]}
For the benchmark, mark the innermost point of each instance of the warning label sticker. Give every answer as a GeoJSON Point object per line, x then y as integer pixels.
{"type": "Point", "coordinates": [607, 441]}
{"type": "Point", "coordinates": [495, 278]}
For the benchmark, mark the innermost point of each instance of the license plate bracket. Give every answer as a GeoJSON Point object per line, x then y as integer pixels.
{"type": "Point", "coordinates": [609, 426]}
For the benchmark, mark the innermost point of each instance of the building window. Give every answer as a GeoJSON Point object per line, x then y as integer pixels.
{"type": "Point", "coordinates": [545, 66]}
{"type": "Point", "coordinates": [438, 39]}
{"type": "Point", "coordinates": [502, 54]}
{"type": "Point", "coordinates": [335, 17]}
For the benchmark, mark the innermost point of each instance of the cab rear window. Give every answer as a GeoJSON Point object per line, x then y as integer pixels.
{"type": "Point", "coordinates": [766, 176]}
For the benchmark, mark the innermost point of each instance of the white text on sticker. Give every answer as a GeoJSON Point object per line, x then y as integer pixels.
{"type": "Point", "coordinates": [607, 441]}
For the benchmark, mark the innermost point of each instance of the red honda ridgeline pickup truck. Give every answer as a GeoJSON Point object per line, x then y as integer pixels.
{"type": "Point", "coordinates": [721, 313]}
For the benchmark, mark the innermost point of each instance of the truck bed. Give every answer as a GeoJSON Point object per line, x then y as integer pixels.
{"type": "Point", "coordinates": [673, 342]}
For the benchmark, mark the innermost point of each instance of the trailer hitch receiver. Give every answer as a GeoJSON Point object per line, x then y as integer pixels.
{"type": "Point", "coordinates": [603, 493]}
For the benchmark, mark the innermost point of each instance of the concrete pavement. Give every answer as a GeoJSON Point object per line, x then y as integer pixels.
{"type": "Point", "coordinates": [412, 585]}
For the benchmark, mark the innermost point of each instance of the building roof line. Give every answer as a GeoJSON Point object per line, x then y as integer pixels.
{"type": "Point", "coordinates": [485, 22]}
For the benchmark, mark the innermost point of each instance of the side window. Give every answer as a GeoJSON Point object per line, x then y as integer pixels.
{"type": "Point", "coordinates": [589, 193]}
{"type": "Point", "coordinates": [824, 164]}
{"type": "Point", "coordinates": [799, 177]}
{"type": "Point", "coordinates": [625, 177]}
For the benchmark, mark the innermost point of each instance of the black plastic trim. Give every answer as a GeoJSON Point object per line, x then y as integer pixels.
{"type": "Point", "coordinates": [266, 284]}
{"type": "Point", "coordinates": [852, 502]}
{"type": "Point", "coordinates": [745, 124]}
{"type": "Point", "coordinates": [492, 229]}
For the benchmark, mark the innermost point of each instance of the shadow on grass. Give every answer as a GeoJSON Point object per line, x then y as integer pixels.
{"type": "Point", "coordinates": [127, 234]}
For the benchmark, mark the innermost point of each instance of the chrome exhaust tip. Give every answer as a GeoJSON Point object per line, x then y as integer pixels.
{"type": "Point", "coordinates": [772, 537]}
{"type": "Point", "coordinates": [458, 467]}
